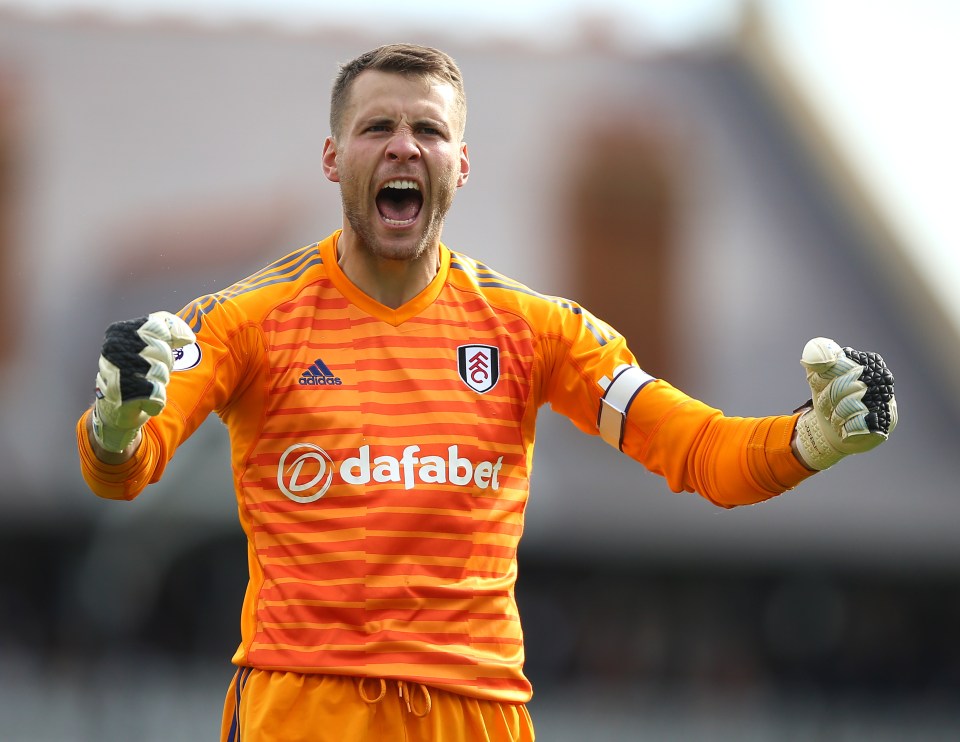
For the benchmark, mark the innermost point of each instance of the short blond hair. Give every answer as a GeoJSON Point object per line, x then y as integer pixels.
{"type": "Point", "coordinates": [402, 59]}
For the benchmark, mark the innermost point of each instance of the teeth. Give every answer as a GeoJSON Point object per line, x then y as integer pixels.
{"type": "Point", "coordinates": [402, 184]}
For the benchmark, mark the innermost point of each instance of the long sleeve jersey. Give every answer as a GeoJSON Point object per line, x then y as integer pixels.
{"type": "Point", "coordinates": [382, 457]}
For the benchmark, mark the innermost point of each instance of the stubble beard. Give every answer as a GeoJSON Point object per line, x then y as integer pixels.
{"type": "Point", "coordinates": [356, 216]}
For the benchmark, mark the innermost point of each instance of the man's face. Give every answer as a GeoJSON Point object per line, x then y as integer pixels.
{"type": "Point", "coordinates": [399, 159]}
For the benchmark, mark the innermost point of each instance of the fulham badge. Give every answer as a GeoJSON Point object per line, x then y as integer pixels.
{"type": "Point", "coordinates": [479, 366]}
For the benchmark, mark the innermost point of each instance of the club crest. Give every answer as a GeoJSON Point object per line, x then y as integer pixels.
{"type": "Point", "coordinates": [479, 366]}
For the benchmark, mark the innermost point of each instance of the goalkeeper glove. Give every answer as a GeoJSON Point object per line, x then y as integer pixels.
{"type": "Point", "coordinates": [135, 366]}
{"type": "Point", "coordinates": [853, 408]}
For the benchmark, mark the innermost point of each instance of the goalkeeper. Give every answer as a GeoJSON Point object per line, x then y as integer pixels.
{"type": "Point", "coordinates": [381, 393]}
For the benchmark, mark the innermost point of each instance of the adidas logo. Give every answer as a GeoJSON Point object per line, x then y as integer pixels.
{"type": "Point", "coordinates": [319, 374]}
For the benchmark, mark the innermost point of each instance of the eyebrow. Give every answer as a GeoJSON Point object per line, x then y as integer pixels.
{"type": "Point", "coordinates": [388, 120]}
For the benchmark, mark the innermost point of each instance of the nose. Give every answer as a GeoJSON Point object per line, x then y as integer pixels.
{"type": "Point", "coordinates": [402, 146]}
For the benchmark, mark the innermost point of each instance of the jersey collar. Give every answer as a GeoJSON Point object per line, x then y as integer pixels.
{"type": "Point", "coordinates": [328, 252]}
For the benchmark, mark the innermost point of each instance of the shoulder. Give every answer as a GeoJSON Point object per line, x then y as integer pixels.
{"type": "Point", "coordinates": [258, 293]}
{"type": "Point", "coordinates": [547, 313]}
{"type": "Point", "coordinates": [496, 287]}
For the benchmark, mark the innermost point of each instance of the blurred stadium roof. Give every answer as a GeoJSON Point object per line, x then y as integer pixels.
{"type": "Point", "coordinates": [875, 75]}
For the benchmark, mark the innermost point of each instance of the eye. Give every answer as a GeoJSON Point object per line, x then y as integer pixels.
{"type": "Point", "coordinates": [432, 131]}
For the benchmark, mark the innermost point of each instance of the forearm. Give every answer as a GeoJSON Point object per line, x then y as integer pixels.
{"type": "Point", "coordinates": [739, 461]}
{"type": "Point", "coordinates": [122, 479]}
{"type": "Point", "coordinates": [729, 461]}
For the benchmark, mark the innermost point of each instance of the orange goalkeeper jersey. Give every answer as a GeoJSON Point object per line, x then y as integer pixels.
{"type": "Point", "coordinates": [381, 458]}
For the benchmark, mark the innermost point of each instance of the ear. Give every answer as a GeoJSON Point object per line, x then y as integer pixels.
{"type": "Point", "coordinates": [464, 165]}
{"type": "Point", "coordinates": [329, 160]}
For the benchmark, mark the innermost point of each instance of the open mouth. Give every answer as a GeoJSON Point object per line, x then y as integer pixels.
{"type": "Point", "coordinates": [399, 202]}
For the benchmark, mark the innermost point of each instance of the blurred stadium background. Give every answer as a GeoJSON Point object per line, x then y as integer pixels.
{"type": "Point", "coordinates": [689, 188]}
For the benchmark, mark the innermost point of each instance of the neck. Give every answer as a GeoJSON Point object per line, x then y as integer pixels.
{"type": "Point", "coordinates": [391, 282]}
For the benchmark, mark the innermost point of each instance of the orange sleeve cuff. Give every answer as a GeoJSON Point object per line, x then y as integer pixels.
{"type": "Point", "coordinates": [770, 457]}
{"type": "Point", "coordinates": [114, 482]}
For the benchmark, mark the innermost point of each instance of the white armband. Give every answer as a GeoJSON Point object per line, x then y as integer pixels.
{"type": "Point", "coordinates": [618, 395]}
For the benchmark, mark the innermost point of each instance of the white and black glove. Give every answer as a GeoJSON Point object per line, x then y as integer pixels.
{"type": "Point", "coordinates": [135, 366]}
{"type": "Point", "coordinates": [853, 408]}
